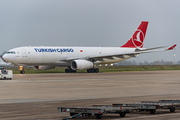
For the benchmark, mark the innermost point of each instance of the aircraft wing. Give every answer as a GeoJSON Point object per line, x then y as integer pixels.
{"type": "Point", "coordinates": [121, 55]}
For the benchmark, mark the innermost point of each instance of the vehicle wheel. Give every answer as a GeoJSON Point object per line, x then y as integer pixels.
{"type": "Point", "coordinates": [66, 70]}
{"type": "Point", "coordinates": [172, 109]}
{"type": "Point", "coordinates": [89, 70]}
{"type": "Point", "coordinates": [97, 70]}
{"type": "Point", "coordinates": [153, 111]}
{"type": "Point", "coordinates": [122, 114]}
{"type": "Point", "coordinates": [98, 116]}
{"type": "Point", "coordinates": [22, 71]}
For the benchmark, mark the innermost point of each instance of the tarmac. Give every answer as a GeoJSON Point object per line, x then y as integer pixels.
{"type": "Point", "coordinates": [37, 96]}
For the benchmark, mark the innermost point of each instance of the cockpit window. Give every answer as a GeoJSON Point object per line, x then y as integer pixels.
{"type": "Point", "coordinates": [11, 52]}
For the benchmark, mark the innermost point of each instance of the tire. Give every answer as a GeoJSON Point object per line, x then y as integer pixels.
{"type": "Point", "coordinates": [22, 72]}
{"type": "Point", "coordinates": [153, 111]}
{"type": "Point", "coordinates": [98, 116]}
{"type": "Point", "coordinates": [172, 109]}
{"type": "Point", "coordinates": [70, 71]}
{"type": "Point", "coordinates": [89, 70]}
{"type": "Point", "coordinates": [122, 114]}
{"type": "Point", "coordinates": [66, 70]}
{"type": "Point", "coordinates": [96, 70]}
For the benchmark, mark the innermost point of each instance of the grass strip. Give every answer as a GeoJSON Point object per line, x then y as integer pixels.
{"type": "Point", "coordinates": [103, 69]}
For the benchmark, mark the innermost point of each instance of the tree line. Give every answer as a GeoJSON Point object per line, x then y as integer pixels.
{"type": "Point", "coordinates": [133, 62]}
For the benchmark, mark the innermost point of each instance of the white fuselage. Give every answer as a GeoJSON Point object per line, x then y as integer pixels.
{"type": "Point", "coordinates": [56, 56]}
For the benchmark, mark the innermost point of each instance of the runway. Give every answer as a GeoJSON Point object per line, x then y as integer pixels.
{"type": "Point", "coordinates": [37, 96]}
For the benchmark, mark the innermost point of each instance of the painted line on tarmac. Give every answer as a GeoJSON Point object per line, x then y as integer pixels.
{"type": "Point", "coordinates": [149, 116]}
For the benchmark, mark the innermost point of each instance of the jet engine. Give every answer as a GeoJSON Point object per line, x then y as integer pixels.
{"type": "Point", "coordinates": [81, 64]}
{"type": "Point", "coordinates": [43, 67]}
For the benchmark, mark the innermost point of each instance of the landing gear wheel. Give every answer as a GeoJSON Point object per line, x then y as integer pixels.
{"type": "Point", "coordinates": [22, 72]}
{"type": "Point", "coordinates": [98, 116]}
{"type": "Point", "coordinates": [172, 109]}
{"type": "Point", "coordinates": [93, 70]}
{"type": "Point", "coordinates": [122, 114]}
{"type": "Point", "coordinates": [153, 111]}
{"type": "Point", "coordinates": [70, 71]}
{"type": "Point", "coordinates": [97, 70]}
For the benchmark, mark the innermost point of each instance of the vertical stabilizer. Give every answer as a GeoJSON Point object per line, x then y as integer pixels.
{"type": "Point", "coordinates": [137, 39]}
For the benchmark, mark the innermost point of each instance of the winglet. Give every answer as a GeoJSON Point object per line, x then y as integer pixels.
{"type": "Point", "coordinates": [172, 47]}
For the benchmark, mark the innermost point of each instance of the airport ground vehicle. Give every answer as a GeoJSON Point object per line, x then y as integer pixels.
{"type": "Point", "coordinates": [5, 74]}
{"type": "Point", "coordinates": [121, 109]}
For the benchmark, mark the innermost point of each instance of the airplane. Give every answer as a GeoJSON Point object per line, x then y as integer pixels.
{"type": "Point", "coordinates": [79, 58]}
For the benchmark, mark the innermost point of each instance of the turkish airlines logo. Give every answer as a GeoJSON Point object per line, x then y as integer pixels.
{"type": "Point", "coordinates": [138, 38]}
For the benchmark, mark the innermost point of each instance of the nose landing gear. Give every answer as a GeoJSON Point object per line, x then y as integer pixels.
{"type": "Point", "coordinates": [21, 68]}
{"type": "Point", "coordinates": [22, 72]}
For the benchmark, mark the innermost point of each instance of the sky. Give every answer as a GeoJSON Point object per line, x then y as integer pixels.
{"type": "Point", "coordinates": [108, 23]}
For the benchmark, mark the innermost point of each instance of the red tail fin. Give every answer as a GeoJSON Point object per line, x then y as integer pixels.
{"type": "Point", "coordinates": [137, 39]}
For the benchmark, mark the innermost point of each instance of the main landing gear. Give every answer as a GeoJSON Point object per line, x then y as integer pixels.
{"type": "Point", "coordinates": [70, 71]}
{"type": "Point", "coordinates": [93, 70]}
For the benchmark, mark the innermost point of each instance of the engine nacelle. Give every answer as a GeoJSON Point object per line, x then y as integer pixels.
{"type": "Point", "coordinates": [43, 67]}
{"type": "Point", "coordinates": [81, 65]}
